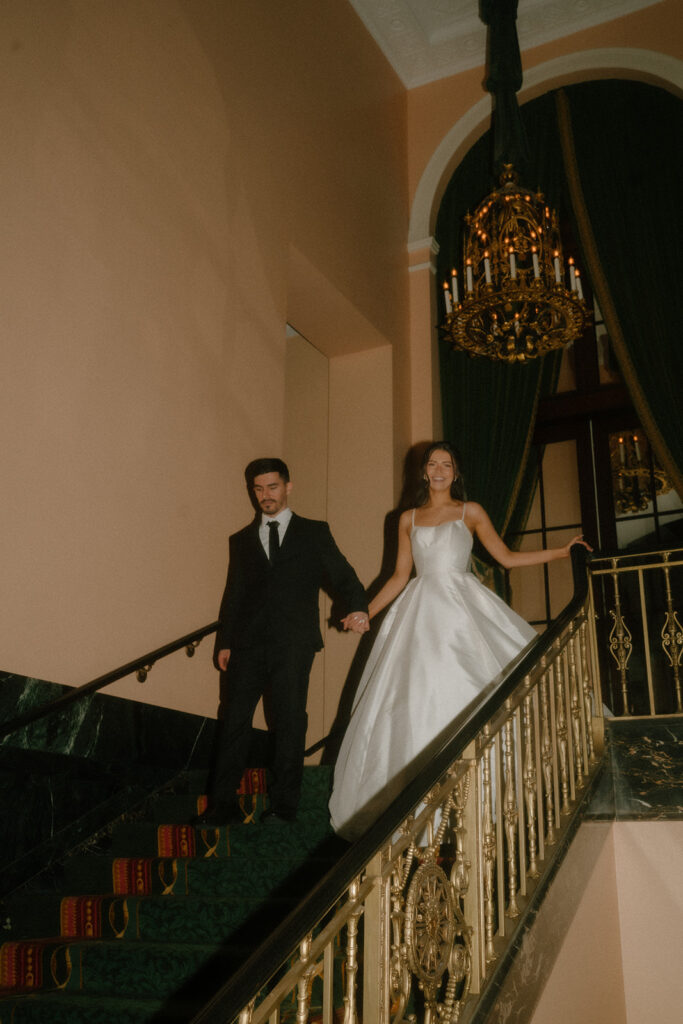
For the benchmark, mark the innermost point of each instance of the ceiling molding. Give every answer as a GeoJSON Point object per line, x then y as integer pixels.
{"type": "Point", "coordinates": [425, 40]}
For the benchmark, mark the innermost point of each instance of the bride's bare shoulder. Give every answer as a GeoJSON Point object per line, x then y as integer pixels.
{"type": "Point", "coordinates": [474, 511]}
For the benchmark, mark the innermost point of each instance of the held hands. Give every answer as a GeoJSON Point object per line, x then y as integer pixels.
{"type": "Point", "coordinates": [222, 659]}
{"type": "Point", "coordinates": [357, 622]}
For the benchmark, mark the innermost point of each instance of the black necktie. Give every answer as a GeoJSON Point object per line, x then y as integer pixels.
{"type": "Point", "coordinates": [273, 540]}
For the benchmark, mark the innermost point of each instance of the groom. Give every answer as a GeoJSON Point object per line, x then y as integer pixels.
{"type": "Point", "coordinates": [267, 637]}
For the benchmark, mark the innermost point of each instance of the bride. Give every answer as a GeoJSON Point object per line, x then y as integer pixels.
{"type": "Point", "coordinates": [444, 640]}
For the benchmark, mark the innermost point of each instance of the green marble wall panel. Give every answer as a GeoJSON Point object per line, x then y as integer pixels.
{"type": "Point", "coordinates": [643, 775]}
{"type": "Point", "coordinates": [110, 730]}
{"type": "Point", "coordinates": [66, 776]}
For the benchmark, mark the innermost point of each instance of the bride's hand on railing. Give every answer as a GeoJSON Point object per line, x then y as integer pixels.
{"type": "Point", "coordinates": [576, 540]}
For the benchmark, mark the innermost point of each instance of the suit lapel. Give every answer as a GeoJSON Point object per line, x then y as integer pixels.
{"type": "Point", "coordinates": [291, 537]}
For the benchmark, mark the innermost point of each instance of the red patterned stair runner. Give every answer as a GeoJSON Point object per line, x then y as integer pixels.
{"type": "Point", "coordinates": [21, 962]}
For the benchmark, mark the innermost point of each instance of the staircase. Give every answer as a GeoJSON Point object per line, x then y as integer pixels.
{"type": "Point", "coordinates": [144, 922]}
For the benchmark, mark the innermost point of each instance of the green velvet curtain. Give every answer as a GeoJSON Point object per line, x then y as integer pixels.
{"type": "Point", "coordinates": [489, 408]}
{"type": "Point", "coordinates": [623, 147]}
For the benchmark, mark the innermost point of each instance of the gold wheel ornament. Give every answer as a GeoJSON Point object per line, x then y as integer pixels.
{"type": "Point", "coordinates": [437, 942]}
{"type": "Point", "coordinates": [429, 927]}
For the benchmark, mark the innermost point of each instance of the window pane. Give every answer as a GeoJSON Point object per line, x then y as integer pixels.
{"type": "Point", "coordinates": [566, 380]}
{"type": "Point", "coordinates": [560, 574]}
{"type": "Point", "coordinates": [632, 531]}
{"type": "Point", "coordinates": [669, 502]}
{"type": "Point", "coordinates": [561, 484]}
{"type": "Point", "coordinates": [534, 520]}
{"type": "Point", "coordinates": [527, 588]}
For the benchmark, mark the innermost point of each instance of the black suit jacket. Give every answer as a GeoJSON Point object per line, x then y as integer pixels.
{"type": "Point", "coordinates": [274, 604]}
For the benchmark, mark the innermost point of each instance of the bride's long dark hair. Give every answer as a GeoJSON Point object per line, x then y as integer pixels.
{"type": "Point", "coordinates": [458, 485]}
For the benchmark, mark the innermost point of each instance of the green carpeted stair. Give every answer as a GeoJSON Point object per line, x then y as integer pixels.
{"type": "Point", "coordinates": [155, 915]}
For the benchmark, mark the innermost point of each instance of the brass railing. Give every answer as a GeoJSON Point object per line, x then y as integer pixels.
{"type": "Point", "coordinates": [423, 907]}
{"type": "Point", "coordinates": [141, 666]}
{"type": "Point", "coordinates": [637, 599]}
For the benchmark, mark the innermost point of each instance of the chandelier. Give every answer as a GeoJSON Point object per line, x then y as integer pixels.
{"type": "Point", "coordinates": [513, 302]}
{"type": "Point", "coordinates": [636, 476]}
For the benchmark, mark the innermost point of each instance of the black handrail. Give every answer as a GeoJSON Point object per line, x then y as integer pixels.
{"type": "Point", "coordinates": [142, 664]}
{"type": "Point", "coordinates": [268, 958]}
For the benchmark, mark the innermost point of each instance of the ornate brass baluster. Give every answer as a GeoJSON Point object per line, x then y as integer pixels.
{"type": "Point", "coordinates": [547, 759]}
{"type": "Point", "coordinates": [620, 645]}
{"type": "Point", "coordinates": [510, 815]}
{"type": "Point", "coordinates": [437, 834]}
{"type": "Point", "coordinates": [561, 729]}
{"type": "Point", "coordinates": [472, 862]}
{"type": "Point", "coordinates": [303, 998]}
{"type": "Point", "coordinates": [587, 691]}
{"type": "Point", "coordinates": [530, 784]}
{"type": "Point", "coordinates": [575, 715]}
{"type": "Point", "coordinates": [459, 970]}
{"type": "Point", "coordinates": [459, 973]}
{"type": "Point", "coordinates": [460, 874]}
{"type": "Point", "coordinates": [350, 1015]}
{"type": "Point", "coordinates": [672, 635]}
{"type": "Point", "coordinates": [400, 978]}
{"type": "Point", "coordinates": [247, 1013]}
{"type": "Point", "coordinates": [488, 852]}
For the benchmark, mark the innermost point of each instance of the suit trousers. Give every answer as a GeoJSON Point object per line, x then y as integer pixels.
{"type": "Point", "coordinates": [283, 670]}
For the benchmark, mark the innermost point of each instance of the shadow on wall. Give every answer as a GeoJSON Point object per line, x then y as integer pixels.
{"type": "Point", "coordinates": [411, 480]}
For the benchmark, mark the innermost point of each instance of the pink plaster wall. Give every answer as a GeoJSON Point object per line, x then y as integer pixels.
{"type": "Point", "coordinates": [620, 959]}
{"type": "Point", "coordinates": [177, 180]}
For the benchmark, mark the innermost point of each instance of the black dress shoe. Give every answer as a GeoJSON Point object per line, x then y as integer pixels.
{"type": "Point", "coordinates": [219, 814]}
{"type": "Point", "coordinates": [277, 817]}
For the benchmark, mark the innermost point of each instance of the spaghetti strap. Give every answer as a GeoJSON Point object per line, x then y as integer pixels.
{"type": "Point", "coordinates": [464, 506]}
{"type": "Point", "coordinates": [413, 523]}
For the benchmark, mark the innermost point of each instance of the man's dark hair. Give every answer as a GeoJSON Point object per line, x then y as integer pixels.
{"type": "Point", "coordinates": [260, 466]}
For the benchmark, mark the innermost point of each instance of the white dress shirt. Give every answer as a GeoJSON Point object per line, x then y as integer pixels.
{"type": "Point", "coordinates": [282, 518]}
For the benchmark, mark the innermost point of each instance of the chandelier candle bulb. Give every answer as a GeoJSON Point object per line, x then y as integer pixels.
{"type": "Point", "coordinates": [447, 298]}
{"type": "Point", "coordinates": [636, 475]}
{"type": "Point", "coordinates": [487, 268]}
{"type": "Point", "coordinates": [572, 277]}
{"type": "Point", "coordinates": [470, 279]}
{"type": "Point", "coordinates": [537, 269]}
{"type": "Point", "coordinates": [513, 264]}
{"type": "Point", "coordinates": [579, 287]}
{"type": "Point", "coordinates": [556, 264]}
{"type": "Point", "coordinates": [454, 287]}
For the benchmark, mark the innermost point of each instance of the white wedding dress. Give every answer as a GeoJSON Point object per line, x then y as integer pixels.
{"type": "Point", "coordinates": [443, 642]}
